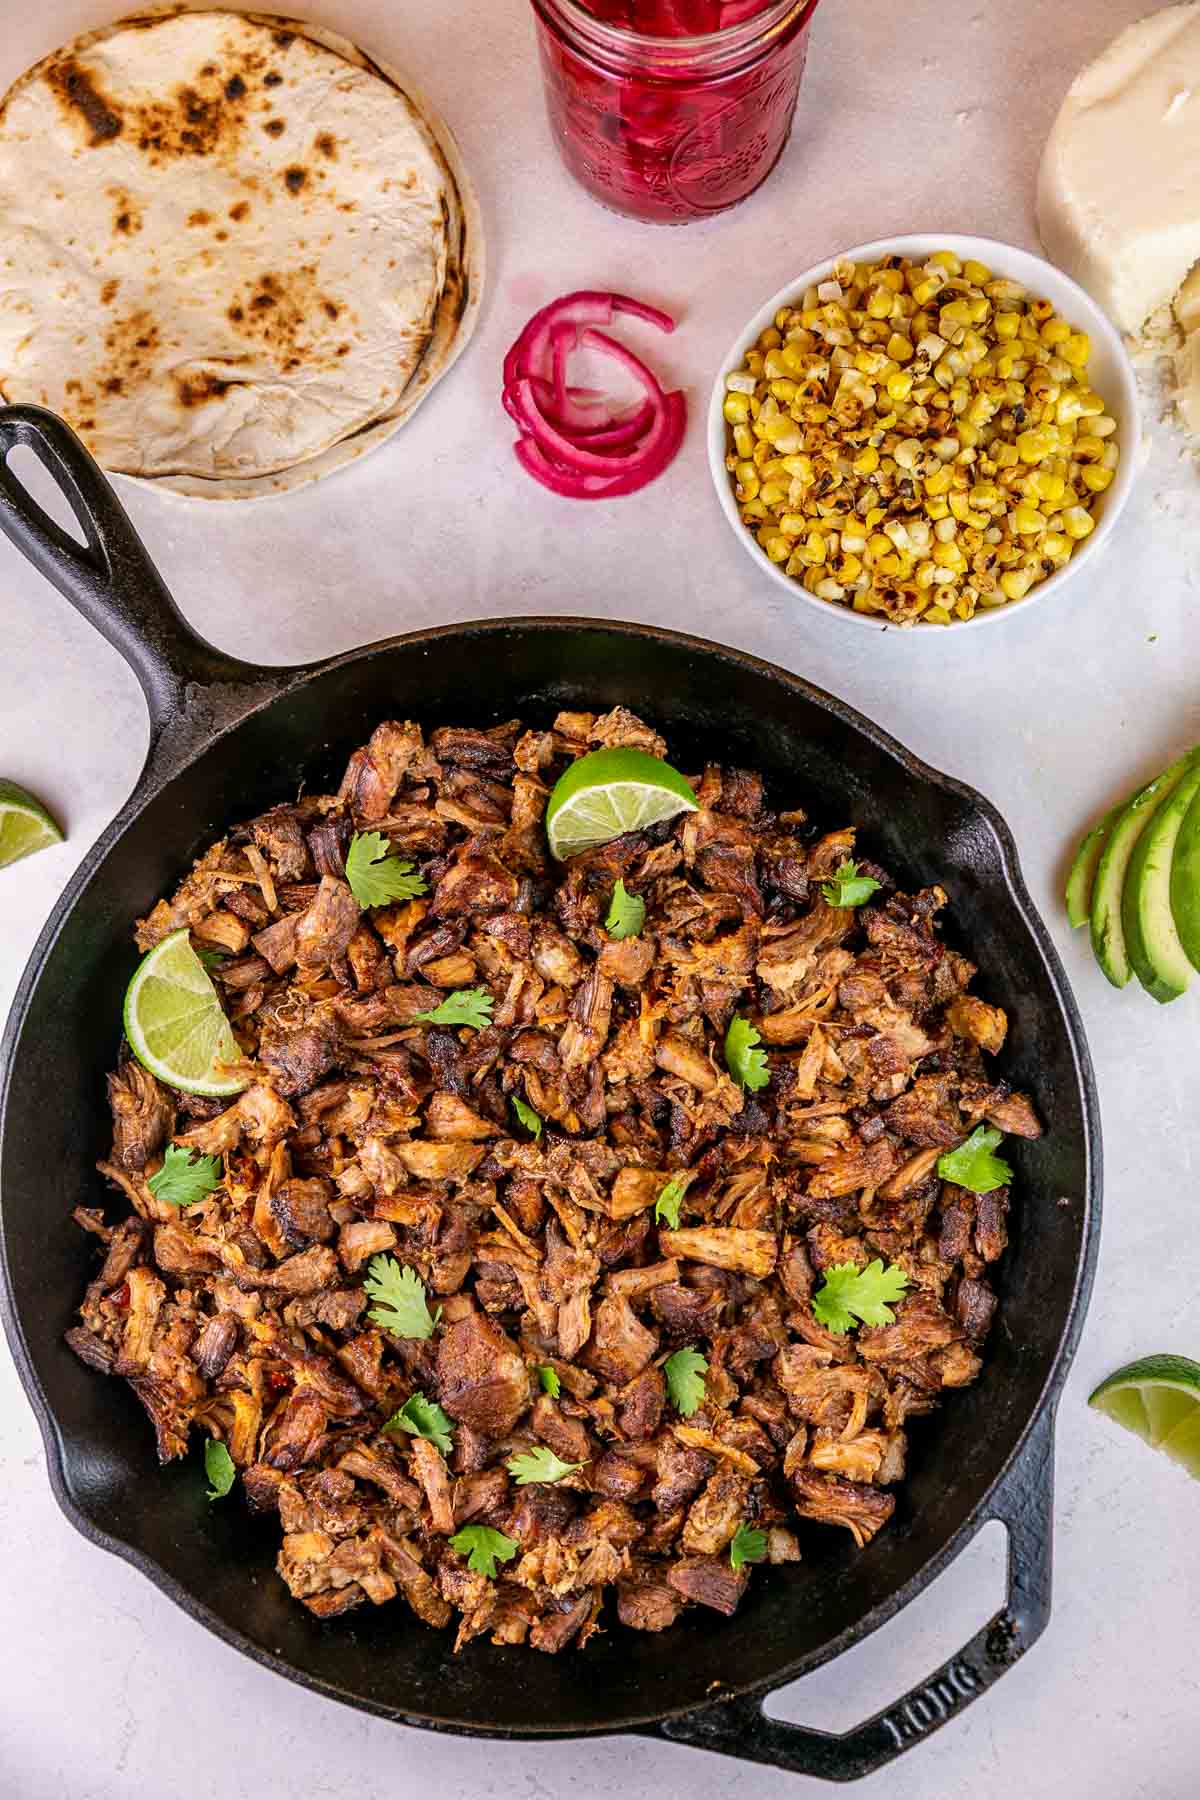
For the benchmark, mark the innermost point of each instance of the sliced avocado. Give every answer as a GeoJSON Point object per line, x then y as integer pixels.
{"type": "Point", "coordinates": [1185, 883]}
{"type": "Point", "coordinates": [1083, 870]}
{"type": "Point", "coordinates": [1108, 935]}
{"type": "Point", "coordinates": [1159, 959]}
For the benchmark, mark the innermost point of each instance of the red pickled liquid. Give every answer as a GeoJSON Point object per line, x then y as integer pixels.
{"type": "Point", "coordinates": [671, 143]}
{"type": "Point", "coordinates": [674, 18]}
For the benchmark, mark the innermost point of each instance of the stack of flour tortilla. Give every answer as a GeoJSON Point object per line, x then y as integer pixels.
{"type": "Point", "coordinates": [234, 253]}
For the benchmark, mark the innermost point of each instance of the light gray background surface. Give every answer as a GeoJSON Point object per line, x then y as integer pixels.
{"type": "Point", "coordinates": [916, 115]}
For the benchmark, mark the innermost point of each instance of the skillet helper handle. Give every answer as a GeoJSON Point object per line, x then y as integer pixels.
{"type": "Point", "coordinates": [111, 579]}
{"type": "Point", "coordinates": [1025, 1505]}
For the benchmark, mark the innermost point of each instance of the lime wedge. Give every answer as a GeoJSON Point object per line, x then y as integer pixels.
{"type": "Point", "coordinates": [1159, 1399]}
{"type": "Point", "coordinates": [174, 1022]}
{"type": "Point", "coordinates": [610, 792]}
{"type": "Point", "coordinates": [25, 825]}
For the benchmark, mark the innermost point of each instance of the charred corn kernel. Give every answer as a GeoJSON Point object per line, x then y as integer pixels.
{"type": "Point", "coordinates": [1046, 486]}
{"type": "Point", "coordinates": [849, 568]}
{"type": "Point", "coordinates": [1077, 350]}
{"type": "Point", "coordinates": [1006, 326]}
{"type": "Point", "coordinates": [770, 339]}
{"type": "Point", "coordinates": [773, 493]}
{"type": "Point", "coordinates": [946, 530]}
{"type": "Point", "coordinates": [878, 545]}
{"type": "Point", "coordinates": [946, 259]}
{"type": "Point", "coordinates": [777, 547]}
{"type": "Point", "coordinates": [815, 547]}
{"type": "Point", "coordinates": [899, 348]}
{"type": "Point", "coordinates": [977, 273]}
{"type": "Point", "coordinates": [1015, 584]}
{"type": "Point", "coordinates": [736, 409]}
{"type": "Point", "coordinates": [784, 390]}
{"type": "Point", "coordinates": [899, 386]}
{"type": "Point", "coordinates": [949, 556]}
{"type": "Point", "coordinates": [1028, 521]}
{"type": "Point", "coordinates": [793, 525]}
{"type": "Point", "coordinates": [924, 574]}
{"type": "Point", "coordinates": [1102, 426]}
{"type": "Point", "coordinates": [985, 494]}
{"type": "Point", "coordinates": [1055, 331]}
{"type": "Point", "coordinates": [874, 515]}
{"type": "Point", "coordinates": [880, 302]}
{"type": "Point", "coordinates": [1096, 479]}
{"type": "Point", "coordinates": [926, 289]}
{"type": "Point", "coordinates": [1078, 522]}
{"type": "Point", "coordinates": [936, 615]}
{"type": "Point", "coordinates": [743, 441]}
{"type": "Point", "coordinates": [954, 316]}
{"type": "Point", "coordinates": [1055, 544]}
{"type": "Point", "coordinates": [867, 461]}
{"type": "Point", "coordinates": [939, 482]}
{"type": "Point", "coordinates": [1033, 446]}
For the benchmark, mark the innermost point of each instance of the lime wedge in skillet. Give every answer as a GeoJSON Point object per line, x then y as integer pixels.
{"type": "Point", "coordinates": [610, 792]}
{"type": "Point", "coordinates": [25, 825]}
{"type": "Point", "coordinates": [174, 1022]}
{"type": "Point", "coordinates": [1159, 1399]}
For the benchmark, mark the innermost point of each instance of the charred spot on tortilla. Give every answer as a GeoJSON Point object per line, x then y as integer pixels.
{"type": "Point", "coordinates": [275, 127]}
{"type": "Point", "coordinates": [235, 88]}
{"type": "Point", "coordinates": [127, 216]}
{"type": "Point", "coordinates": [198, 389]}
{"type": "Point", "coordinates": [240, 211]}
{"type": "Point", "coordinates": [326, 145]}
{"type": "Point", "coordinates": [295, 177]}
{"type": "Point", "coordinates": [78, 93]}
{"type": "Point", "coordinates": [273, 78]}
{"type": "Point", "coordinates": [108, 292]}
{"type": "Point", "coordinates": [199, 218]}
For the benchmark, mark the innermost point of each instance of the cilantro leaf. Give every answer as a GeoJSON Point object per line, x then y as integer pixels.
{"type": "Point", "coordinates": [219, 1467]}
{"type": "Point", "coordinates": [746, 1064]}
{"type": "Point", "coordinates": [212, 959]}
{"type": "Point", "coordinates": [527, 1116]}
{"type": "Point", "coordinates": [469, 1006]}
{"type": "Point", "coordinates": [184, 1177]}
{"type": "Point", "coordinates": [377, 877]}
{"type": "Point", "coordinates": [848, 887]}
{"type": "Point", "coordinates": [849, 1294]}
{"type": "Point", "coordinates": [538, 1464]}
{"type": "Point", "coordinates": [973, 1166]}
{"type": "Point", "coordinates": [666, 1207]}
{"type": "Point", "coordinates": [424, 1418]}
{"type": "Point", "coordinates": [549, 1379]}
{"type": "Point", "coordinates": [399, 1295]}
{"type": "Point", "coordinates": [626, 914]}
{"type": "Point", "coordinates": [484, 1548]}
{"type": "Point", "coordinates": [747, 1547]}
{"type": "Point", "coordinates": [685, 1372]}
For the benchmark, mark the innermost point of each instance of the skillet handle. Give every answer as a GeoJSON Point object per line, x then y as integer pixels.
{"type": "Point", "coordinates": [112, 580]}
{"type": "Point", "coordinates": [740, 1727]}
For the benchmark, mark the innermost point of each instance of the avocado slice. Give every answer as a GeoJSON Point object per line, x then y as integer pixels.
{"type": "Point", "coordinates": [1185, 883]}
{"type": "Point", "coordinates": [1108, 935]}
{"type": "Point", "coordinates": [1159, 959]}
{"type": "Point", "coordinates": [1082, 878]}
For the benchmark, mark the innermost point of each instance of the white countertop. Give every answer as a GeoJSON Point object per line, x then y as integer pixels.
{"type": "Point", "coordinates": [915, 115]}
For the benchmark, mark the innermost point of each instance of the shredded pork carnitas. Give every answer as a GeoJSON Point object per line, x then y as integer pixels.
{"type": "Point", "coordinates": [365, 1133]}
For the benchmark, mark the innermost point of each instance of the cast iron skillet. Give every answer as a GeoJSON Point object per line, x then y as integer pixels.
{"type": "Point", "coordinates": [227, 740]}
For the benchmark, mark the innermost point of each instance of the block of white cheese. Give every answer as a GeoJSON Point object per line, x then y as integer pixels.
{"type": "Point", "coordinates": [1119, 188]}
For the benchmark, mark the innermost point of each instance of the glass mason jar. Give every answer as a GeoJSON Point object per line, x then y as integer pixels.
{"type": "Point", "coordinates": [671, 128]}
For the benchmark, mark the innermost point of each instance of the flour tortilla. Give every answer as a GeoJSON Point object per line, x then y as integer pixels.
{"type": "Point", "coordinates": [234, 253]}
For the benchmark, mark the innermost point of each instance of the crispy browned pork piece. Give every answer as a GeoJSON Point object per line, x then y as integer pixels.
{"type": "Point", "coordinates": [371, 1138]}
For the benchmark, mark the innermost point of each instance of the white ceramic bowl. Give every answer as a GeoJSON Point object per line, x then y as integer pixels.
{"type": "Point", "coordinates": [1110, 373]}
